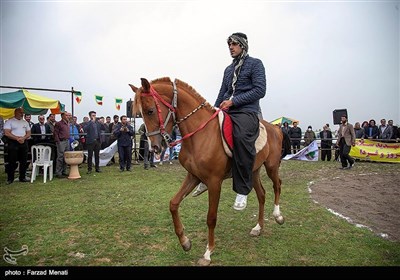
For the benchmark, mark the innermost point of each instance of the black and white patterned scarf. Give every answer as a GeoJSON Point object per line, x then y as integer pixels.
{"type": "Point", "coordinates": [238, 61]}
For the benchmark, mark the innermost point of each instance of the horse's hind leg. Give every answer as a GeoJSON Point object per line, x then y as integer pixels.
{"type": "Point", "coordinates": [273, 174]}
{"type": "Point", "coordinates": [256, 231]}
{"type": "Point", "coordinates": [188, 185]}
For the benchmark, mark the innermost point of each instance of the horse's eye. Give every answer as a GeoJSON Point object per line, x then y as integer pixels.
{"type": "Point", "coordinates": [150, 112]}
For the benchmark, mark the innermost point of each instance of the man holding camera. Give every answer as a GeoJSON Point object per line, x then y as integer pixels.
{"type": "Point", "coordinates": [93, 144]}
{"type": "Point", "coordinates": [124, 132]}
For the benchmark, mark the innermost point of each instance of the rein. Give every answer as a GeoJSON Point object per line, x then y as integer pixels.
{"type": "Point", "coordinates": [193, 132]}
{"type": "Point", "coordinates": [171, 112]}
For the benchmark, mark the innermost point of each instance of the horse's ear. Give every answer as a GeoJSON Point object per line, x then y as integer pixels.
{"type": "Point", "coordinates": [145, 84]}
{"type": "Point", "coordinates": [135, 89]}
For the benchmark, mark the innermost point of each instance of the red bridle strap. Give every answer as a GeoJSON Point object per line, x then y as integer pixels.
{"type": "Point", "coordinates": [154, 94]}
{"type": "Point", "coordinates": [193, 132]}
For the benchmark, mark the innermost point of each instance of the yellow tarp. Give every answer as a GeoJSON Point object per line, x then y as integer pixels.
{"type": "Point", "coordinates": [31, 103]}
{"type": "Point", "coordinates": [37, 101]}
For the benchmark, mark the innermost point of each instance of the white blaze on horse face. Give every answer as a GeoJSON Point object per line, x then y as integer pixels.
{"type": "Point", "coordinates": [276, 212]}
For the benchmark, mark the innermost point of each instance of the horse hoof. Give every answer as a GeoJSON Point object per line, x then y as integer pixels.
{"type": "Point", "coordinates": [255, 232]}
{"type": "Point", "coordinates": [204, 262]}
{"type": "Point", "coordinates": [187, 245]}
{"type": "Point", "coordinates": [280, 220]}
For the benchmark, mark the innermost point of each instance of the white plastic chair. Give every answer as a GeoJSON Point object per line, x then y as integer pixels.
{"type": "Point", "coordinates": [42, 156]}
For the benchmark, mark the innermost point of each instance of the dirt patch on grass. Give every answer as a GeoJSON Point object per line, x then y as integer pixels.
{"type": "Point", "coordinates": [368, 195]}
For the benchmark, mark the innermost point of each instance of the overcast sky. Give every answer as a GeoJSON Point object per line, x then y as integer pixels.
{"type": "Point", "coordinates": [319, 56]}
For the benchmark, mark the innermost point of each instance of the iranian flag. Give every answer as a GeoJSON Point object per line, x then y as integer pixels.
{"type": "Point", "coordinates": [78, 96]}
{"type": "Point", "coordinates": [118, 102]}
{"type": "Point", "coordinates": [99, 99]}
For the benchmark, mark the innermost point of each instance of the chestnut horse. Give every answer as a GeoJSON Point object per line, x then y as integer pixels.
{"type": "Point", "coordinates": [163, 103]}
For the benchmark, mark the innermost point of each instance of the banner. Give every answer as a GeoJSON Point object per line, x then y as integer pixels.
{"type": "Point", "coordinates": [99, 99]}
{"type": "Point", "coordinates": [376, 151]}
{"type": "Point", "coordinates": [106, 154]}
{"type": "Point", "coordinates": [118, 102]}
{"type": "Point", "coordinates": [309, 153]}
{"type": "Point", "coordinates": [78, 96]}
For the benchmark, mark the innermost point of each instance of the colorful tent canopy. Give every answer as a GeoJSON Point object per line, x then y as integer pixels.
{"type": "Point", "coordinates": [32, 103]}
{"type": "Point", "coordinates": [281, 120]}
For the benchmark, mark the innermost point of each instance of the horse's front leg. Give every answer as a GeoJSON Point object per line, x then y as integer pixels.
{"type": "Point", "coordinates": [214, 193]}
{"type": "Point", "coordinates": [188, 185]}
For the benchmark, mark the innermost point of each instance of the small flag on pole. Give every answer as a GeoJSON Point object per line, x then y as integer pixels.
{"type": "Point", "coordinates": [99, 99]}
{"type": "Point", "coordinates": [78, 96]}
{"type": "Point", "coordinates": [118, 102]}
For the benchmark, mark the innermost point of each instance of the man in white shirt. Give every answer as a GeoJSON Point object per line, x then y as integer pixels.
{"type": "Point", "coordinates": [17, 131]}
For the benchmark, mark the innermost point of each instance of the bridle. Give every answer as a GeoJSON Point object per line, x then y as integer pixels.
{"type": "Point", "coordinates": [172, 112]}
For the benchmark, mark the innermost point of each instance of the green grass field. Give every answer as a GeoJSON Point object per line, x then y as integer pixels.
{"type": "Point", "coordinates": [123, 219]}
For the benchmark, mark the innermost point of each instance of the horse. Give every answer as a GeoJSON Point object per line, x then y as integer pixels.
{"type": "Point", "coordinates": [164, 103]}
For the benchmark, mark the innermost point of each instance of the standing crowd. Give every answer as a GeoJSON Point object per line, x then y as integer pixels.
{"type": "Point", "coordinates": [19, 134]}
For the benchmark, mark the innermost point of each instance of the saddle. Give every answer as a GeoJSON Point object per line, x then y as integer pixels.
{"type": "Point", "coordinates": [225, 124]}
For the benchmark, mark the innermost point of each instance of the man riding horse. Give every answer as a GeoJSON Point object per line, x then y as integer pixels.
{"type": "Point", "coordinates": [243, 85]}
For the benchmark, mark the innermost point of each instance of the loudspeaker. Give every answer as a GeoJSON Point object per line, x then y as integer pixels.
{"type": "Point", "coordinates": [337, 114]}
{"type": "Point", "coordinates": [129, 109]}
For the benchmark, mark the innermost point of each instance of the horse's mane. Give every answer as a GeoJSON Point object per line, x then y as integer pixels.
{"type": "Point", "coordinates": [185, 85]}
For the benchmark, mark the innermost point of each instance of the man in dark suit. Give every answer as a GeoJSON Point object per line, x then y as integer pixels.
{"type": "Point", "coordinates": [41, 131]}
{"type": "Point", "coordinates": [93, 144]}
{"type": "Point", "coordinates": [326, 144]}
{"type": "Point", "coordinates": [124, 132]}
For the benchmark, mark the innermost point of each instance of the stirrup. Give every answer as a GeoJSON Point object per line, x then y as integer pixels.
{"type": "Point", "coordinates": [199, 190]}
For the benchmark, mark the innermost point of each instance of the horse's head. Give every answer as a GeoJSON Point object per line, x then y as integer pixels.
{"type": "Point", "coordinates": [153, 101]}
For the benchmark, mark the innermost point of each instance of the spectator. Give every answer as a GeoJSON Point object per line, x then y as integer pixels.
{"type": "Point", "coordinates": [395, 130]}
{"type": "Point", "coordinates": [326, 143]}
{"type": "Point", "coordinates": [1, 127]}
{"type": "Point", "coordinates": [123, 133]}
{"type": "Point", "coordinates": [358, 130]}
{"type": "Point", "coordinates": [385, 131]}
{"type": "Point", "coordinates": [285, 128]}
{"type": "Point", "coordinates": [41, 132]}
{"type": "Point", "coordinates": [371, 131]}
{"type": "Point", "coordinates": [286, 145]}
{"type": "Point", "coordinates": [148, 154]}
{"type": "Point", "coordinates": [74, 133]}
{"type": "Point", "coordinates": [105, 134]}
{"type": "Point", "coordinates": [295, 137]}
{"type": "Point", "coordinates": [112, 137]}
{"type": "Point", "coordinates": [171, 149]}
{"type": "Point", "coordinates": [309, 136]}
{"type": "Point", "coordinates": [78, 134]}
{"type": "Point", "coordinates": [61, 137]}
{"type": "Point", "coordinates": [346, 139]}
{"type": "Point", "coordinates": [51, 121]}
{"type": "Point", "coordinates": [17, 131]}
{"type": "Point", "coordinates": [28, 118]}
{"type": "Point", "coordinates": [328, 128]}
{"type": "Point", "coordinates": [93, 144]}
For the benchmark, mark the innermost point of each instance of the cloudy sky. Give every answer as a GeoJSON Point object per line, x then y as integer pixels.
{"type": "Point", "coordinates": [319, 55]}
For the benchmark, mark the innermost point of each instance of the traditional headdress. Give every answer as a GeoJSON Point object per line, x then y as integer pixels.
{"type": "Point", "coordinates": [241, 39]}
